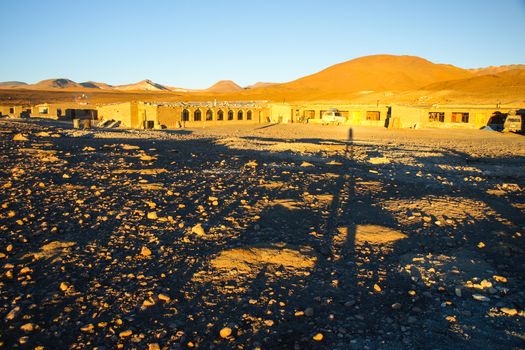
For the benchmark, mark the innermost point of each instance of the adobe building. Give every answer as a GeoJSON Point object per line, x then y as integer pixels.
{"type": "Point", "coordinates": [369, 115]}
{"type": "Point", "coordinates": [64, 111]}
{"type": "Point", "coordinates": [141, 115]}
{"type": "Point", "coordinates": [449, 116]}
{"type": "Point", "coordinates": [15, 111]}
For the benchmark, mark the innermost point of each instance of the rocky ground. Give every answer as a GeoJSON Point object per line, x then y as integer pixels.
{"type": "Point", "coordinates": [261, 237]}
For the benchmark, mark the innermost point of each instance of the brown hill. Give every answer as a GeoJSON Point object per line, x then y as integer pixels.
{"type": "Point", "coordinates": [507, 81]}
{"type": "Point", "coordinates": [223, 86]}
{"type": "Point", "coordinates": [144, 85]}
{"type": "Point", "coordinates": [12, 84]}
{"type": "Point", "coordinates": [96, 85]}
{"type": "Point", "coordinates": [378, 73]}
{"type": "Point", "coordinates": [60, 83]}
{"type": "Point", "coordinates": [259, 84]}
{"type": "Point", "coordinates": [496, 69]}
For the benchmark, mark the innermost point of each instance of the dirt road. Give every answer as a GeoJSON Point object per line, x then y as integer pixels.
{"type": "Point", "coordinates": [269, 237]}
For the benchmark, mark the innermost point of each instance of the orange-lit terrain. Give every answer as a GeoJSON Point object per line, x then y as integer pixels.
{"type": "Point", "coordinates": [385, 78]}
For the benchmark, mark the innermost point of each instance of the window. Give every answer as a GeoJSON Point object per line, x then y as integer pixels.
{"type": "Point", "coordinates": [209, 115]}
{"type": "Point", "coordinates": [373, 115]}
{"type": "Point", "coordinates": [436, 117]}
{"type": "Point", "coordinates": [197, 115]}
{"type": "Point", "coordinates": [11, 110]}
{"type": "Point", "coordinates": [239, 115]}
{"type": "Point", "coordinates": [43, 110]}
{"type": "Point", "coordinates": [309, 114]}
{"type": "Point", "coordinates": [230, 115]}
{"type": "Point", "coordinates": [459, 117]}
{"type": "Point", "coordinates": [59, 112]}
{"type": "Point", "coordinates": [249, 115]}
{"type": "Point", "coordinates": [185, 115]}
{"type": "Point", "coordinates": [220, 115]}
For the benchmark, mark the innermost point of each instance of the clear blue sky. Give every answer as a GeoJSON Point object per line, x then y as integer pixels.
{"type": "Point", "coordinates": [195, 43]}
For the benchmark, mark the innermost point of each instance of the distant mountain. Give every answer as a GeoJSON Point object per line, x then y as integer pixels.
{"type": "Point", "coordinates": [10, 84]}
{"type": "Point", "coordinates": [60, 83]}
{"type": "Point", "coordinates": [144, 85]}
{"type": "Point", "coordinates": [496, 69]}
{"type": "Point", "coordinates": [95, 85]}
{"type": "Point", "coordinates": [378, 73]}
{"type": "Point", "coordinates": [224, 86]}
{"type": "Point", "coordinates": [510, 81]}
{"type": "Point", "coordinates": [259, 84]}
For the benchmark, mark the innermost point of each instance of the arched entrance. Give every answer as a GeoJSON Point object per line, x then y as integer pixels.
{"type": "Point", "coordinates": [239, 115]}
{"type": "Point", "coordinates": [185, 115]}
{"type": "Point", "coordinates": [230, 115]}
{"type": "Point", "coordinates": [249, 115]}
{"type": "Point", "coordinates": [209, 115]}
{"type": "Point", "coordinates": [197, 115]}
{"type": "Point", "coordinates": [220, 115]}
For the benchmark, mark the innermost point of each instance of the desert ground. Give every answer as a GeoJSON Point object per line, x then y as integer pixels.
{"type": "Point", "coordinates": [261, 237]}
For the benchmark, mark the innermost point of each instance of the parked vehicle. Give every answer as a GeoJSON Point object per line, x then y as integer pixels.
{"type": "Point", "coordinates": [333, 116]}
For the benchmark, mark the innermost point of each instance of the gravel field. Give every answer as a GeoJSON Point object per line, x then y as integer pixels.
{"type": "Point", "coordinates": [261, 237]}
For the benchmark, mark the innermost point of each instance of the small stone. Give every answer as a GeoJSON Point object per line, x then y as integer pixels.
{"type": "Point", "coordinates": [145, 252]}
{"type": "Point", "coordinates": [20, 137]}
{"type": "Point", "coordinates": [377, 288]}
{"type": "Point", "coordinates": [88, 149]}
{"type": "Point", "coordinates": [509, 311]}
{"type": "Point", "coordinates": [63, 287]}
{"type": "Point", "coordinates": [87, 328]}
{"type": "Point", "coordinates": [152, 215]}
{"type": "Point", "coordinates": [25, 270]}
{"type": "Point", "coordinates": [481, 245]}
{"type": "Point", "coordinates": [396, 306]}
{"type": "Point", "coordinates": [28, 327]}
{"type": "Point", "coordinates": [147, 158]}
{"type": "Point", "coordinates": [318, 337]}
{"type": "Point", "coordinates": [349, 303]}
{"type": "Point", "coordinates": [268, 323]}
{"type": "Point", "coordinates": [500, 279]}
{"type": "Point", "coordinates": [148, 303]}
{"type": "Point", "coordinates": [480, 297]}
{"type": "Point", "coordinates": [125, 333]}
{"type": "Point", "coordinates": [458, 292]}
{"type": "Point", "coordinates": [225, 332]}
{"type": "Point", "coordinates": [153, 346]}
{"type": "Point", "coordinates": [198, 230]}
{"type": "Point", "coordinates": [164, 298]}
{"type": "Point", "coordinates": [309, 312]}
{"type": "Point", "coordinates": [306, 164]}
{"type": "Point", "coordinates": [13, 313]}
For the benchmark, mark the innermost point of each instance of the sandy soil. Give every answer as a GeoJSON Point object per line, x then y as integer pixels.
{"type": "Point", "coordinates": [270, 237]}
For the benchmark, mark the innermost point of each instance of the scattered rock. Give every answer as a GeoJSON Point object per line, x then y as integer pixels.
{"type": "Point", "coordinates": [152, 215]}
{"type": "Point", "coordinates": [125, 333]}
{"type": "Point", "coordinates": [509, 311]}
{"type": "Point", "coordinates": [318, 337]}
{"type": "Point", "coordinates": [396, 306]}
{"type": "Point", "coordinates": [480, 297]}
{"type": "Point", "coordinates": [164, 298]}
{"type": "Point", "coordinates": [20, 137]}
{"type": "Point", "coordinates": [145, 251]}
{"type": "Point", "coordinates": [309, 312]}
{"type": "Point", "coordinates": [198, 230]}
{"type": "Point", "coordinates": [64, 287]}
{"type": "Point", "coordinates": [28, 327]}
{"type": "Point", "coordinates": [225, 332]}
